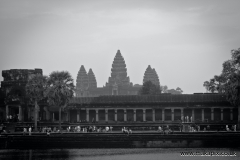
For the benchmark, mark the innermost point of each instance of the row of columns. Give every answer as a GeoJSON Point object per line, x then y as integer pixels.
{"type": "Point", "coordinates": [134, 115]}
{"type": "Point", "coordinates": [153, 114]}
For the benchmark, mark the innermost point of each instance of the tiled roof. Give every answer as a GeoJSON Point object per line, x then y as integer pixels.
{"type": "Point", "coordinates": [158, 99]}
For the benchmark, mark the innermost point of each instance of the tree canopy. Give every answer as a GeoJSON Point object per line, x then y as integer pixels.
{"type": "Point", "coordinates": [35, 89]}
{"type": "Point", "coordinates": [165, 89]}
{"type": "Point", "coordinates": [228, 81]}
{"type": "Point", "coordinates": [149, 88]}
{"type": "Point", "coordinates": [60, 89]}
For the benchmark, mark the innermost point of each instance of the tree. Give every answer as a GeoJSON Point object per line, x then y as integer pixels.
{"type": "Point", "coordinates": [60, 90]}
{"type": "Point", "coordinates": [228, 81]}
{"type": "Point", "coordinates": [149, 88]}
{"type": "Point", "coordinates": [216, 84]}
{"type": "Point", "coordinates": [179, 90]}
{"type": "Point", "coordinates": [164, 89]}
{"type": "Point", "coordinates": [175, 91]}
{"type": "Point", "coordinates": [35, 89]}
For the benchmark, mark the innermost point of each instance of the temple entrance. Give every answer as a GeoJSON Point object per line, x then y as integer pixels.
{"type": "Point", "coordinates": [149, 115]}
{"type": "Point", "coordinates": [158, 115]}
{"type": "Point", "coordinates": [198, 115]}
{"type": "Point", "coordinates": [120, 115]}
{"type": "Point", "coordinates": [177, 114]}
{"type": "Point", "coordinates": [207, 114]}
{"type": "Point", "coordinates": [111, 115]}
{"type": "Point", "coordinates": [139, 115]}
{"type": "Point", "coordinates": [187, 112]}
{"type": "Point", "coordinates": [92, 116]}
{"type": "Point", "coordinates": [13, 111]}
{"type": "Point", "coordinates": [82, 115]}
{"type": "Point", "coordinates": [101, 115]}
{"type": "Point", "coordinates": [130, 116]}
{"type": "Point", "coordinates": [168, 114]}
{"type": "Point", "coordinates": [73, 118]}
{"type": "Point", "coordinates": [217, 114]}
{"type": "Point", "coordinates": [226, 114]}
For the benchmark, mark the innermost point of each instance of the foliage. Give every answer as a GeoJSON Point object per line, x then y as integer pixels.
{"type": "Point", "coordinates": [15, 94]}
{"type": "Point", "coordinates": [35, 89]}
{"type": "Point", "coordinates": [165, 89]}
{"type": "Point", "coordinates": [228, 81]}
{"type": "Point", "coordinates": [60, 90]}
{"type": "Point", "coordinates": [149, 88]}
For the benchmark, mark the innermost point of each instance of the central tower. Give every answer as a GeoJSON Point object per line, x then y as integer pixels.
{"type": "Point", "coordinates": [119, 72]}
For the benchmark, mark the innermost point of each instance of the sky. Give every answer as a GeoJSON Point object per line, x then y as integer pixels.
{"type": "Point", "coordinates": [185, 41]}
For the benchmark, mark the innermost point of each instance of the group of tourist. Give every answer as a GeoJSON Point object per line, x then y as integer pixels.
{"type": "Point", "coordinates": [126, 130]}
{"type": "Point", "coordinates": [12, 118]}
{"type": "Point", "coordinates": [166, 130]}
{"type": "Point", "coordinates": [233, 128]}
{"type": "Point", "coordinates": [87, 129]}
{"type": "Point", "coordinates": [186, 119]}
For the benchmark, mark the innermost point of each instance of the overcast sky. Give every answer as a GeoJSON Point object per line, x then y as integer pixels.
{"type": "Point", "coordinates": [185, 41]}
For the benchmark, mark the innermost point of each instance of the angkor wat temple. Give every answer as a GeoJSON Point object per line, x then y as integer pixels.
{"type": "Point", "coordinates": [118, 83]}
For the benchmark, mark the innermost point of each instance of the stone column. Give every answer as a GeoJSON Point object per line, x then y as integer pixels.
{"type": "Point", "coordinates": [20, 113]}
{"type": "Point", "coordinates": [78, 115]}
{"type": "Point", "coordinates": [231, 114]}
{"type": "Point", "coordinates": [106, 115]}
{"type": "Point", "coordinates": [182, 116]}
{"type": "Point", "coordinates": [153, 115]}
{"type": "Point", "coordinates": [163, 115]}
{"type": "Point", "coordinates": [212, 114]}
{"type": "Point", "coordinates": [115, 115]}
{"type": "Point", "coordinates": [221, 114]}
{"type": "Point", "coordinates": [134, 115]}
{"type": "Point", "coordinates": [7, 112]}
{"type": "Point", "coordinates": [202, 115]}
{"type": "Point", "coordinates": [96, 115]}
{"type": "Point", "coordinates": [144, 115]}
{"type": "Point", "coordinates": [172, 114]}
{"type": "Point", "coordinates": [193, 115]}
{"type": "Point", "coordinates": [53, 117]}
{"type": "Point", "coordinates": [125, 115]}
{"type": "Point", "coordinates": [87, 112]}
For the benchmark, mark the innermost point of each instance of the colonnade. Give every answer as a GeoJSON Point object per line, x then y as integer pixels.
{"type": "Point", "coordinates": [154, 114]}
{"type": "Point", "coordinates": [145, 114]}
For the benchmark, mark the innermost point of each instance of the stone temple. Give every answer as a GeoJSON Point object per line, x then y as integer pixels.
{"type": "Point", "coordinates": [151, 75]}
{"type": "Point", "coordinates": [118, 83]}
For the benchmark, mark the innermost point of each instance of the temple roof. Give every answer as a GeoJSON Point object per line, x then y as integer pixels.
{"type": "Point", "coordinates": [156, 99]}
{"type": "Point", "coordinates": [151, 75]}
{"type": "Point", "coordinates": [82, 79]}
{"type": "Point", "coordinates": [118, 71]}
{"type": "Point", "coordinates": [91, 79]}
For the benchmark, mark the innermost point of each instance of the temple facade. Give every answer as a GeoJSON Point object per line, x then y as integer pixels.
{"type": "Point", "coordinates": [118, 83]}
{"type": "Point", "coordinates": [201, 109]}
{"type": "Point", "coordinates": [12, 100]}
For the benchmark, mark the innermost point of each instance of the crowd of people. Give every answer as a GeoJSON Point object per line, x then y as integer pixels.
{"type": "Point", "coordinates": [12, 118]}
{"type": "Point", "coordinates": [87, 129]}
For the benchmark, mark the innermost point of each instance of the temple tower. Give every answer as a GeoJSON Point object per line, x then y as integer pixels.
{"type": "Point", "coordinates": [119, 72]}
{"type": "Point", "coordinates": [91, 79]}
{"type": "Point", "coordinates": [151, 75]}
{"type": "Point", "coordinates": [82, 83]}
